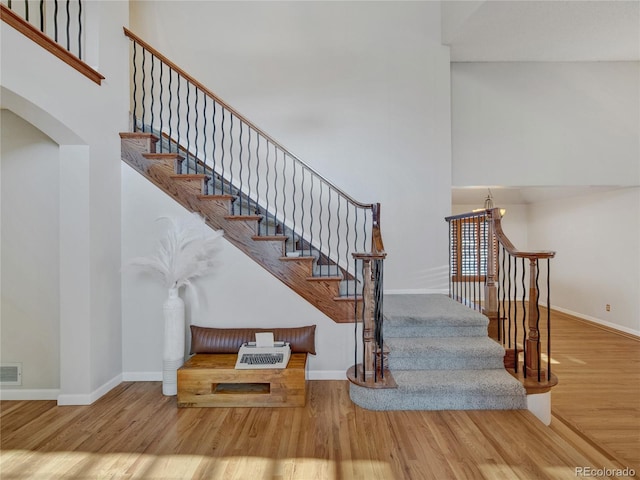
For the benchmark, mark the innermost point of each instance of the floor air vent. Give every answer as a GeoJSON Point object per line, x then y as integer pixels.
{"type": "Point", "coordinates": [11, 374]}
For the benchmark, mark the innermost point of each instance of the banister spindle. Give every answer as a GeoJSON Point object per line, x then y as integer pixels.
{"type": "Point", "coordinates": [80, 29]}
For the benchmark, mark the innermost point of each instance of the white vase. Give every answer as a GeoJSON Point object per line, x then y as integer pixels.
{"type": "Point", "coordinates": [173, 356]}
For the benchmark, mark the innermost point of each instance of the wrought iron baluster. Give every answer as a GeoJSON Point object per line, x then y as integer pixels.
{"type": "Point", "coordinates": [55, 23]}
{"type": "Point", "coordinates": [515, 311]}
{"type": "Point", "coordinates": [170, 109]}
{"type": "Point", "coordinates": [275, 190]}
{"type": "Point", "coordinates": [80, 29]}
{"type": "Point", "coordinates": [135, 84]}
{"type": "Point", "coordinates": [548, 319]}
{"type": "Point", "coordinates": [258, 180]}
{"type": "Point", "coordinates": [509, 300]}
{"type": "Point", "coordinates": [196, 160]}
{"type": "Point", "coordinates": [205, 164]}
{"type": "Point", "coordinates": [320, 237]}
{"type": "Point", "coordinates": [161, 108]}
{"type": "Point", "coordinates": [68, 26]}
{"type": "Point", "coordinates": [525, 350]}
{"type": "Point", "coordinates": [41, 16]}
{"type": "Point", "coordinates": [144, 88]}
{"type": "Point", "coordinates": [329, 232]}
{"type": "Point", "coordinates": [151, 94]}
{"type": "Point", "coordinates": [539, 352]}
{"type": "Point", "coordinates": [267, 188]}
{"type": "Point", "coordinates": [249, 171]}
{"type": "Point", "coordinates": [294, 202]}
{"type": "Point", "coordinates": [214, 174]}
{"type": "Point", "coordinates": [188, 133]}
{"type": "Point", "coordinates": [222, 179]}
{"type": "Point", "coordinates": [178, 109]}
{"type": "Point", "coordinates": [231, 156]}
{"type": "Point", "coordinates": [26, 10]}
{"type": "Point", "coordinates": [338, 239]}
{"type": "Point", "coordinates": [240, 155]}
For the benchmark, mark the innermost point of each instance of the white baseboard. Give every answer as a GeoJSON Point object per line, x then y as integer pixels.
{"type": "Point", "coordinates": [89, 398]}
{"type": "Point", "coordinates": [599, 321]}
{"type": "Point", "coordinates": [142, 376]}
{"type": "Point", "coordinates": [29, 394]}
{"type": "Point", "coordinates": [327, 374]}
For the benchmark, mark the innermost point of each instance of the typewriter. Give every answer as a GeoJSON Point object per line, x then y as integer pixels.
{"type": "Point", "coordinates": [263, 353]}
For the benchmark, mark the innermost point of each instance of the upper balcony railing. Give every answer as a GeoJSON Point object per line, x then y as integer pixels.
{"type": "Point", "coordinates": [487, 273]}
{"type": "Point", "coordinates": [57, 26]}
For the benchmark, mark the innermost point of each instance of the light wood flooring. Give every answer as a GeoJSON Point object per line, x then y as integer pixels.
{"type": "Point", "coordinates": [135, 432]}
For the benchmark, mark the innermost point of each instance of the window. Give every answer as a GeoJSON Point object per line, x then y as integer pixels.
{"type": "Point", "coordinates": [469, 249]}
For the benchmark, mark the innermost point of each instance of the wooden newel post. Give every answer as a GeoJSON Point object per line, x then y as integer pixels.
{"type": "Point", "coordinates": [368, 323]}
{"type": "Point", "coordinates": [490, 288]}
{"type": "Point", "coordinates": [533, 334]}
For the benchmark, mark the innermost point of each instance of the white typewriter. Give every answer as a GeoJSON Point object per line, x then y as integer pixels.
{"type": "Point", "coordinates": [263, 353]}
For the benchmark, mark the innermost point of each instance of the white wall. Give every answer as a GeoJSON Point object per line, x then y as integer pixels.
{"type": "Point", "coordinates": [30, 306]}
{"type": "Point", "coordinates": [358, 90]}
{"type": "Point", "coordinates": [84, 119]}
{"type": "Point", "coordinates": [519, 124]}
{"type": "Point", "coordinates": [597, 239]}
{"type": "Point", "coordinates": [239, 294]}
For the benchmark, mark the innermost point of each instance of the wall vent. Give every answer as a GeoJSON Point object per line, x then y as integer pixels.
{"type": "Point", "coordinates": [11, 374]}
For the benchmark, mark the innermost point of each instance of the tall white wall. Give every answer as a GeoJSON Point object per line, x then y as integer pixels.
{"type": "Point", "coordinates": [533, 124]}
{"type": "Point", "coordinates": [597, 239]}
{"type": "Point", "coordinates": [358, 90]}
{"type": "Point", "coordinates": [84, 119]}
{"type": "Point", "coordinates": [30, 265]}
{"type": "Point", "coordinates": [239, 293]}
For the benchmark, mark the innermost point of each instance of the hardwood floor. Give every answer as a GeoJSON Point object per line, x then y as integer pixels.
{"type": "Point", "coordinates": [135, 432]}
{"type": "Point", "coordinates": [599, 389]}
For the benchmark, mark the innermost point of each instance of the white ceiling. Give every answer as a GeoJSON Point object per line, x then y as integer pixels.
{"type": "Point", "coordinates": [520, 195]}
{"type": "Point", "coordinates": [553, 30]}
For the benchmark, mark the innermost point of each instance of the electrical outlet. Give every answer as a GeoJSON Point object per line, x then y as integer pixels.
{"type": "Point", "coordinates": [607, 307]}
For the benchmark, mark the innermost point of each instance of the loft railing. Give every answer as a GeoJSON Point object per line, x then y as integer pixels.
{"type": "Point", "coordinates": [487, 273]}
{"type": "Point", "coordinates": [318, 218]}
{"type": "Point", "coordinates": [61, 34]}
{"type": "Point", "coordinates": [62, 21]}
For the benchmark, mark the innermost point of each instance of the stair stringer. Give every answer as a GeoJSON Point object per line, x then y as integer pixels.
{"type": "Point", "coordinates": [138, 151]}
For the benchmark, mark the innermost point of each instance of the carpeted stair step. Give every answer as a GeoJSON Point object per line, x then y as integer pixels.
{"type": "Point", "coordinates": [446, 353]}
{"type": "Point", "coordinates": [492, 389]}
{"type": "Point", "coordinates": [430, 316]}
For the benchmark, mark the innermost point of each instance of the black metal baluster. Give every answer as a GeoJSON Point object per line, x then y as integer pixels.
{"type": "Point", "coordinates": [68, 27]}
{"type": "Point", "coordinates": [503, 280]}
{"type": "Point", "coordinates": [222, 179]}
{"type": "Point", "coordinates": [171, 109]}
{"type": "Point", "coordinates": [231, 156]}
{"type": "Point", "coordinates": [284, 200]}
{"type": "Point", "coordinates": [539, 352]}
{"type": "Point", "coordinates": [188, 134]}
{"type": "Point", "coordinates": [26, 10]}
{"type": "Point", "coordinates": [153, 82]}
{"type": "Point", "coordinates": [338, 239]}
{"type": "Point", "coordinates": [509, 299]}
{"type": "Point", "coordinates": [258, 180]}
{"type": "Point", "coordinates": [205, 163]}
{"type": "Point", "coordinates": [303, 210]}
{"type": "Point", "coordinates": [178, 108]}
{"type": "Point", "coordinates": [80, 29]}
{"type": "Point", "coordinates": [266, 178]}
{"type": "Point", "coordinates": [515, 310]}
{"type": "Point", "coordinates": [294, 202]}
{"type": "Point", "coordinates": [249, 171]}
{"type": "Point", "coordinates": [135, 84]}
{"type": "Point", "coordinates": [275, 190]}
{"type": "Point", "coordinates": [213, 149]}
{"type": "Point", "coordinates": [161, 108]}
{"type": "Point", "coordinates": [55, 22]}
{"type": "Point", "coordinates": [450, 259]}
{"type": "Point", "coordinates": [329, 258]}
{"type": "Point", "coordinates": [525, 350]}
{"type": "Point", "coordinates": [321, 227]}
{"type": "Point", "coordinates": [42, 16]}
{"type": "Point", "coordinates": [498, 292]}
{"type": "Point", "coordinates": [196, 160]}
{"type": "Point", "coordinates": [144, 88]}
{"type": "Point", "coordinates": [548, 319]}
{"type": "Point", "coordinates": [241, 184]}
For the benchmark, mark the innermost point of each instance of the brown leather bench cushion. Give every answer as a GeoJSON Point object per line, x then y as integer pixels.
{"type": "Point", "coordinates": [229, 340]}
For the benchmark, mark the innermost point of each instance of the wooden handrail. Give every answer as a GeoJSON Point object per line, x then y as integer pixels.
{"type": "Point", "coordinates": [29, 31]}
{"type": "Point", "coordinates": [242, 118]}
{"type": "Point", "coordinates": [495, 215]}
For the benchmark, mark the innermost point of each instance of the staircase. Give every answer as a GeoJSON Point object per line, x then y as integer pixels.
{"type": "Point", "coordinates": [441, 359]}
{"type": "Point", "coordinates": [280, 251]}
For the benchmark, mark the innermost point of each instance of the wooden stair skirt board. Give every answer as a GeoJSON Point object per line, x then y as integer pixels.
{"type": "Point", "coordinates": [211, 380]}
{"type": "Point", "coordinates": [138, 151]}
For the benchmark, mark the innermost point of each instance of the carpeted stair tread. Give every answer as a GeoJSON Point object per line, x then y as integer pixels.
{"type": "Point", "coordinates": [444, 390]}
{"type": "Point", "coordinates": [447, 353]}
{"type": "Point", "coordinates": [430, 309]}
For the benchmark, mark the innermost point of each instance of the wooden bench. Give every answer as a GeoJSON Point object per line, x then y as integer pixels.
{"type": "Point", "coordinates": [211, 380]}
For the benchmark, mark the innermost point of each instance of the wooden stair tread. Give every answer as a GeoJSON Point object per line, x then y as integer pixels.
{"type": "Point", "coordinates": [150, 136]}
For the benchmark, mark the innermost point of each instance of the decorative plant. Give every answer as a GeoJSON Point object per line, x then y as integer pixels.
{"type": "Point", "coordinates": [185, 253]}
